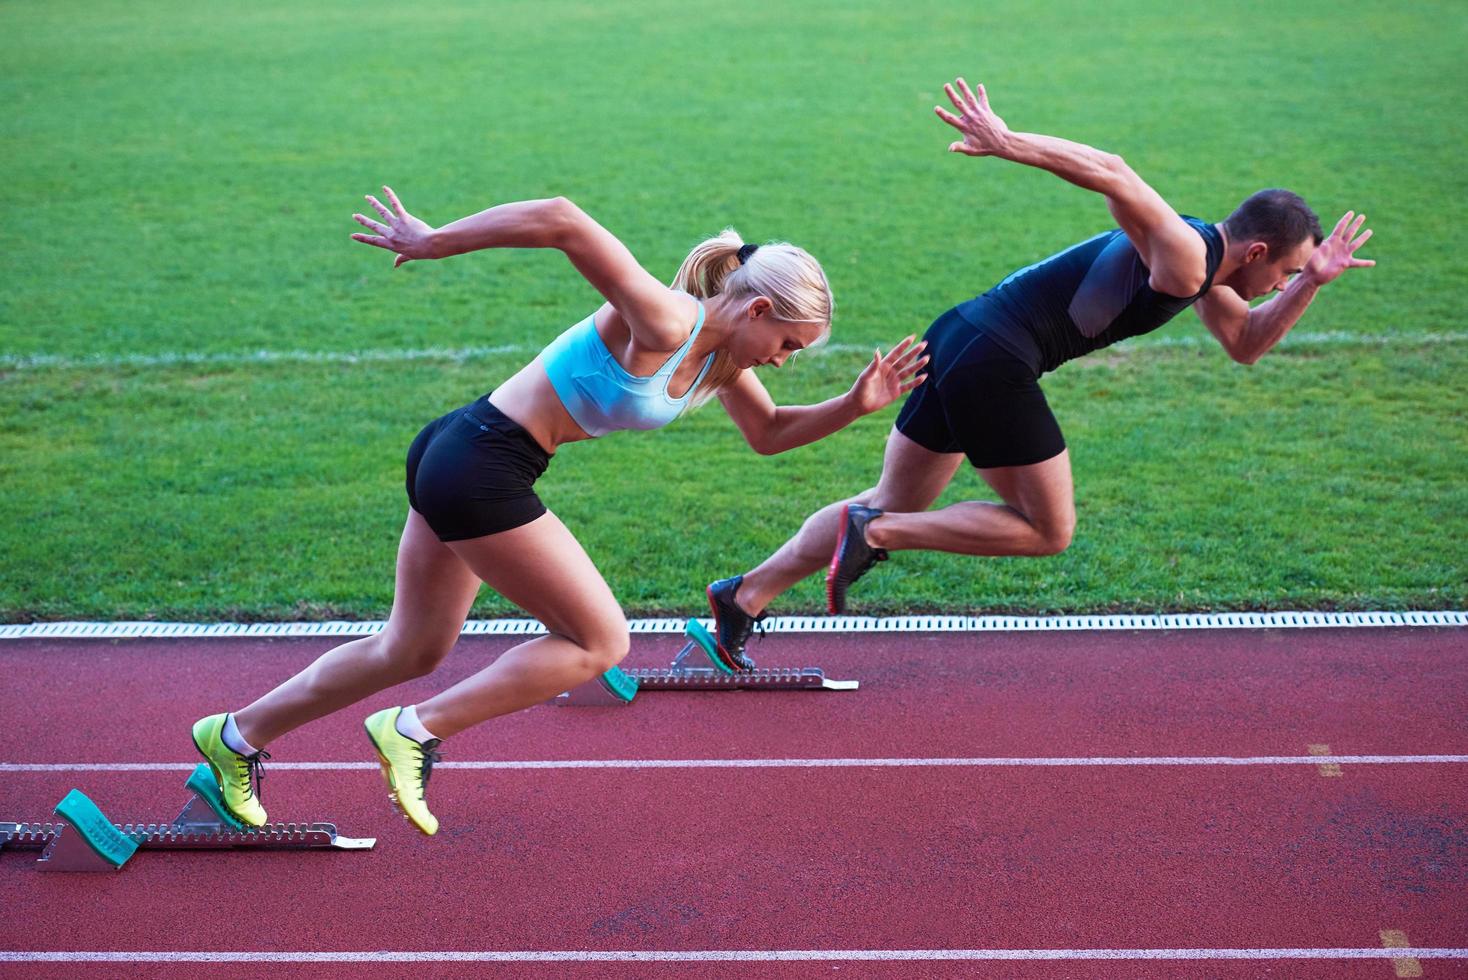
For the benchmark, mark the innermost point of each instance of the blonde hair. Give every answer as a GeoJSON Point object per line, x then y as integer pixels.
{"type": "Point", "coordinates": [786, 274]}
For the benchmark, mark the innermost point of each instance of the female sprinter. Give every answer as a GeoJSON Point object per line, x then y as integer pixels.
{"type": "Point", "coordinates": [637, 362]}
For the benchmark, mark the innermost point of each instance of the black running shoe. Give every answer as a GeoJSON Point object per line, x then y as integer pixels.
{"type": "Point", "coordinates": [853, 556]}
{"type": "Point", "coordinates": [732, 625]}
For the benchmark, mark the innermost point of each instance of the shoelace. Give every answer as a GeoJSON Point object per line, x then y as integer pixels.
{"type": "Point", "coordinates": [756, 627]}
{"type": "Point", "coordinates": [427, 756]}
{"type": "Point", "coordinates": [254, 766]}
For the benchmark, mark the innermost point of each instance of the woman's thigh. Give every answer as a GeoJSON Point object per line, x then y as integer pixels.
{"type": "Point", "coordinates": [542, 568]}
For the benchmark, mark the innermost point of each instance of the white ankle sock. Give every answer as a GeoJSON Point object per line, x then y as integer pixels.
{"type": "Point", "coordinates": [409, 726]}
{"type": "Point", "coordinates": [233, 739]}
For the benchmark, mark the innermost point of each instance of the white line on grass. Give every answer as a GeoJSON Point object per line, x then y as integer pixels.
{"type": "Point", "coordinates": [915, 763]}
{"type": "Point", "coordinates": [32, 362]}
{"type": "Point", "coordinates": [779, 624]}
{"type": "Point", "coordinates": [723, 955]}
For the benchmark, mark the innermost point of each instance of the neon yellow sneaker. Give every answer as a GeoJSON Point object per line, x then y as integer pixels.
{"type": "Point", "coordinates": [234, 773]}
{"type": "Point", "coordinates": [406, 765]}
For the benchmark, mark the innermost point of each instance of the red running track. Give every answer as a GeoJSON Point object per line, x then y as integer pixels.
{"type": "Point", "coordinates": [1076, 857]}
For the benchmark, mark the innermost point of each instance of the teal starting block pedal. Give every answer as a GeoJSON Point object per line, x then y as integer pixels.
{"type": "Point", "coordinates": [88, 841]}
{"type": "Point", "coordinates": [697, 668]}
{"type": "Point", "coordinates": [94, 844]}
{"type": "Point", "coordinates": [206, 791]}
{"type": "Point", "coordinates": [619, 684]}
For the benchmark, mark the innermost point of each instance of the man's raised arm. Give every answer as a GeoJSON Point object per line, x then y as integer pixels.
{"type": "Point", "coordinates": [1172, 251]}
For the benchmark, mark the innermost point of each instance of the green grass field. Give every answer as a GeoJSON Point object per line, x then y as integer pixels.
{"type": "Point", "coordinates": [184, 434]}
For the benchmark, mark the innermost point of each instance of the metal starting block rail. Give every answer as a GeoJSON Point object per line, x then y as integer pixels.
{"type": "Point", "coordinates": [88, 841]}
{"type": "Point", "coordinates": [698, 668]}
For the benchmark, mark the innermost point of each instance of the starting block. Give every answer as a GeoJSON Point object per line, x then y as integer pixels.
{"type": "Point", "coordinates": [697, 668]}
{"type": "Point", "coordinates": [88, 841]}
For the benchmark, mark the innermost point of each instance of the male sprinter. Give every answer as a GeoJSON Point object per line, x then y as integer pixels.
{"type": "Point", "coordinates": [982, 399]}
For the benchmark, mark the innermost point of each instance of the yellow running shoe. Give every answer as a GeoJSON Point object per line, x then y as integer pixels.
{"type": "Point", "coordinates": [233, 772]}
{"type": "Point", "coordinates": [406, 765]}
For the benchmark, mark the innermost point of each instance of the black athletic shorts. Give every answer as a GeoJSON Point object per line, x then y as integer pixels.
{"type": "Point", "coordinates": [980, 399]}
{"type": "Point", "coordinates": [472, 472]}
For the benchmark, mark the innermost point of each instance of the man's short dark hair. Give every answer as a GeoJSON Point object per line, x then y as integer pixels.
{"type": "Point", "coordinates": [1279, 218]}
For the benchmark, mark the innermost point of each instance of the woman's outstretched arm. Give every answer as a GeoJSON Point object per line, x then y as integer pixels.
{"type": "Point", "coordinates": [771, 428]}
{"type": "Point", "coordinates": [661, 318]}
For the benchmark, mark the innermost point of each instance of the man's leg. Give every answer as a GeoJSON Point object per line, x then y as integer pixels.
{"type": "Point", "coordinates": [912, 478]}
{"type": "Point", "coordinates": [997, 413]}
{"type": "Point", "coordinates": [1037, 517]}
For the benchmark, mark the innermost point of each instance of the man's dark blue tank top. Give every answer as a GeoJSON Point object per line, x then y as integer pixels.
{"type": "Point", "coordinates": [1082, 299]}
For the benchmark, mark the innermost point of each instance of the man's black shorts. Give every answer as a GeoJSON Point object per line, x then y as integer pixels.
{"type": "Point", "coordinates": [980, 399]}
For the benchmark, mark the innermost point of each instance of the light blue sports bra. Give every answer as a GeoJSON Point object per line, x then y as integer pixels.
{"type": "Point", "coordinates": [599, 393]}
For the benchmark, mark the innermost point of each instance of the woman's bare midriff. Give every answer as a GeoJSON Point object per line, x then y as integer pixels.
{"type": "Point", "coordinates": [530, 401]}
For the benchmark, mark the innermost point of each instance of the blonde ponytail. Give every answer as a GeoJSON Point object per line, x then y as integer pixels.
{"type": "Point", "coordinates": [786, 274]}
{"type": "Point", "coordinates": [703, 272]}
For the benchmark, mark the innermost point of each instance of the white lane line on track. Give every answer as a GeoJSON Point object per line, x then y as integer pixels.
{"type": "Point", "coordinates": [723, 955]}
{"type": "Point", "coordinates": [854, 763]}
{"type": "Point", "coordinates": [41, 361]}
{"type": "Point", "coordinates": [775, 624]}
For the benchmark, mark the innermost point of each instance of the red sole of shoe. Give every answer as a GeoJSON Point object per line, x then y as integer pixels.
{"type": "Point", "coordinates": [831, 606]}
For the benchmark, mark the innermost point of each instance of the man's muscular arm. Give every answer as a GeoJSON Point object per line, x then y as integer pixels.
{"type": "Point", "coordinates": [1172, 251]}
{"type": "Point", "coordinates": [1248, 334]}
